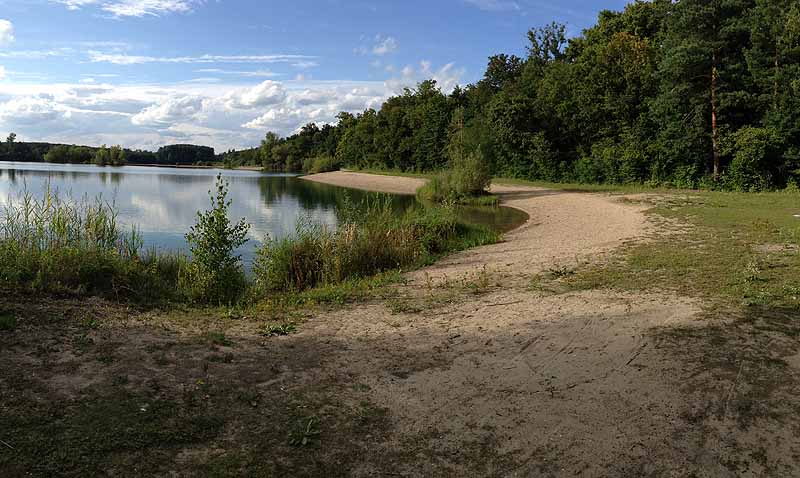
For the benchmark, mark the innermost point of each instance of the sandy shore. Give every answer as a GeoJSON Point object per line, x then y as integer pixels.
{"type": "Point", "coordinates": [369, 182]}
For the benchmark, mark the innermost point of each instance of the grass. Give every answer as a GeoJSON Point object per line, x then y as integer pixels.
{"type": "Point", "coordinates": [62, 245]}
{"type": "Point", "coordinates": [367, 242]}
{"type": "Point", "coordinates": [738, 249]}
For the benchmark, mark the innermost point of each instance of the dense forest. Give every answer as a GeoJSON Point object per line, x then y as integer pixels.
{"type": "Point", "coordinates": [690, 93]}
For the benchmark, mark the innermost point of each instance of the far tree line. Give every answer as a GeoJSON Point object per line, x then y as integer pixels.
{"type": "Point", "coordinates": [693, 93]}
{"type": "Point", "coordinates": [173, 155]}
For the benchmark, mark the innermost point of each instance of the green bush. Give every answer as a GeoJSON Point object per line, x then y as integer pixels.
{"type": "Point", "coordinates": [215, 273]}
{"type": "Point", "coordinates": [755, 155]}
{"type": "Point", "coordinates": [321, 164]}
{"type": "Point", "coordinates": [469, 178]}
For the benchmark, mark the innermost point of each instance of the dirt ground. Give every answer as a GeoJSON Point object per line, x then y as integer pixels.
{"type": "Point", "coordinates": [471, 368]}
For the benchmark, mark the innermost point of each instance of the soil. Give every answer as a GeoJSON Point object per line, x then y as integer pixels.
{"type": "Point", "coordinates": [470, 368]}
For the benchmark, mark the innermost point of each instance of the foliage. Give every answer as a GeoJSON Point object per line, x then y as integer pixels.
{"type": "Point", "coordinates": [321, 164]}
{"type": "Point", "coordinates": [648, 94]}
{"type": "Point", "coordinates": [215, 273]}
{"type": "Point", "coordinates": [56, 244]}
{"type": "Point", "coordinates": [756, 157]}
{"type": "Point", "coordinates": [367, 242]}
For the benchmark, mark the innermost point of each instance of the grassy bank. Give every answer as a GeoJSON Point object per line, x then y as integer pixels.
{"type": "Point", "coordinates": [369, 240]}
{"type": "Point", "coordinates": [60, 245]}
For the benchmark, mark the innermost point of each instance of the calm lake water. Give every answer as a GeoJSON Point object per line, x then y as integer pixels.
{"type": "Point", "coordinates": [163, 202]}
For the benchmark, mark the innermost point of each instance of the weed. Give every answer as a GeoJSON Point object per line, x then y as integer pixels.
{"type": "Point", "coordinates": [403, 305]}
{"type": "Point", "coordinates": [219, 339]}
{"type": "Point", "coordinates": [560, 271]}
{"type": "Point", "coordinates": [7, 322]}
{"type": "Point", "coordinates": [306, 432]}
{"type": "Point", "coordinates": [277, 330]}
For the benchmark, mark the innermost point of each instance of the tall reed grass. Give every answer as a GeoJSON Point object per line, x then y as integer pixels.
{"type": "Point", "coordinates": [370, 239]}
{"type": "Point", "coordinates": [56, 243]}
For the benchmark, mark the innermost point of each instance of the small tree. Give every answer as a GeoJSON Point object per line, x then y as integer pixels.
{"type": "Point", "coordinates": [215, 273]}
{"type": "Point", "coordinates": [116, 156]}
{"type": "Point", "coordinates": [101, 156]}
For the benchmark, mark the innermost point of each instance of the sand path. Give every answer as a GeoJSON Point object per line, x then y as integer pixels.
{"type": "Point", "coordinates": [544, 384]}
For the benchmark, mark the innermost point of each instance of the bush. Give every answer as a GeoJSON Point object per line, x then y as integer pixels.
{"type": "Point", "coordinates": [756, 156]}
{"type": "Point", "coordinates": [215, 273]}
{"type": "Point", "coordinates": [470, 177]}
{"type": "Point", "coordinates": [321, 164]}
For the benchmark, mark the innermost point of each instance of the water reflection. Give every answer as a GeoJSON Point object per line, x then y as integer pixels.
{"type": "Point", "coordinates": [163, 203]}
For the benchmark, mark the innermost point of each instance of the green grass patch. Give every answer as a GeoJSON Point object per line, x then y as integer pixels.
{"type": "Point", "coordinates": [367, 242]}
{"type": "Point", "coordinates": [739, 248]}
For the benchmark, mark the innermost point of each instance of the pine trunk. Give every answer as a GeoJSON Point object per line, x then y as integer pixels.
{"type": "Point", "coordinates": [714, 128]}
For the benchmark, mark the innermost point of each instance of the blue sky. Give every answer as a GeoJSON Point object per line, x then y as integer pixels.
{"type": "Point", "coordinates": [144, 73]}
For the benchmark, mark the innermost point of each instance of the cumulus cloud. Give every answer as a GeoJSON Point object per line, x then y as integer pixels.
{"type": "Point", "coordinates": [447, 77]}
{"type": "Point", "coordinates": [221, 115]}
{"type": "Point", "coordinates": [31, 111]}
{"type": "Point", "coordinates": [264, 94]}
{"type": "Point", "coordinates": [170, 111]}
{"type": "Point", "coordinates": [2, 72]}
{"type": "Point", "coordinates": [6, 33]}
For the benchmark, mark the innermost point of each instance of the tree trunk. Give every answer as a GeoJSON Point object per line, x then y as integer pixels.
{"type": "Point", "coordinates": [775, 77]}
{"type": "Point", "coordinates": [714, 128]}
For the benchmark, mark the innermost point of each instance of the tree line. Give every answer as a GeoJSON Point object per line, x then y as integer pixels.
{"type": "Point", "coordinates": [688, 93]}
{"type": "Point", "coordinates": [172, 155]}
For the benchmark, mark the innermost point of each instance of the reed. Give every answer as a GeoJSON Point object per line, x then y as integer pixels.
{"type": "Point", "coordinates": [56, 243]}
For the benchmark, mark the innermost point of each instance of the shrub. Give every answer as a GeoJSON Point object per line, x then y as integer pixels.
{"type": "Point", "coordinates": [321, 164]}
{"type": "Point", "coordinates": [215, 273]}
{"type": "Point", "coordinates": [756, 156]}
{"type": "Point", "coordinates": [469, 177]}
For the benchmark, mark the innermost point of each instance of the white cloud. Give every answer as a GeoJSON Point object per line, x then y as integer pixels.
{"type": "Point", "coordinates": [222, 115]}
{"type": "Point", "coordinates": [245, 74]}
{"type": "Point", "coordinates": [75, 4]}
{"type": "Point", "coordinates": [380, 47]}
{"type": "Point", "coordinates": [122, 59]}
{"type": "Point", "coordinates": [31, 111]}
{"type": "Point", "coordinates": [384, 46]}
{"type": "Point", "coordinates": [134, 8]}
{"type": "Point", "coordinates": [2, 72]}
{"type": "Point", "coordinates": [495, 5]}
{"type": "Point", "coordinates": [170, 111]}
{"type": "Point", "coordinates": [6, 32]}
{"type": "Point", "coordinates": [264, 94]}
{"type": "Point", "coordinates": [447, 77]}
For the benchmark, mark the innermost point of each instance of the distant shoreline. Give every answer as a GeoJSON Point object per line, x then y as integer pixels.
{"type": "Point", "coordinates": [151, 165]}
{"type": "Point", "coordinates": [192, 166]}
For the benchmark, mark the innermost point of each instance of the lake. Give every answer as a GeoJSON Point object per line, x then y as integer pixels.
{"type": "Point", "coordinates": [163, 202]}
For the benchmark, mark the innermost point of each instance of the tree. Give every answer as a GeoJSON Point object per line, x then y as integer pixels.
{"type": "Point", "coordinates": [215, 274]}
{"type": "Point", "coordinates": [116, 156]}
{"type": "Point", "coordinates": [101, 156]}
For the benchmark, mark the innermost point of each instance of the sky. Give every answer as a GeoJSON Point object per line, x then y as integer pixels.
{"type": "Point", "coordinates": [221, 73]}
